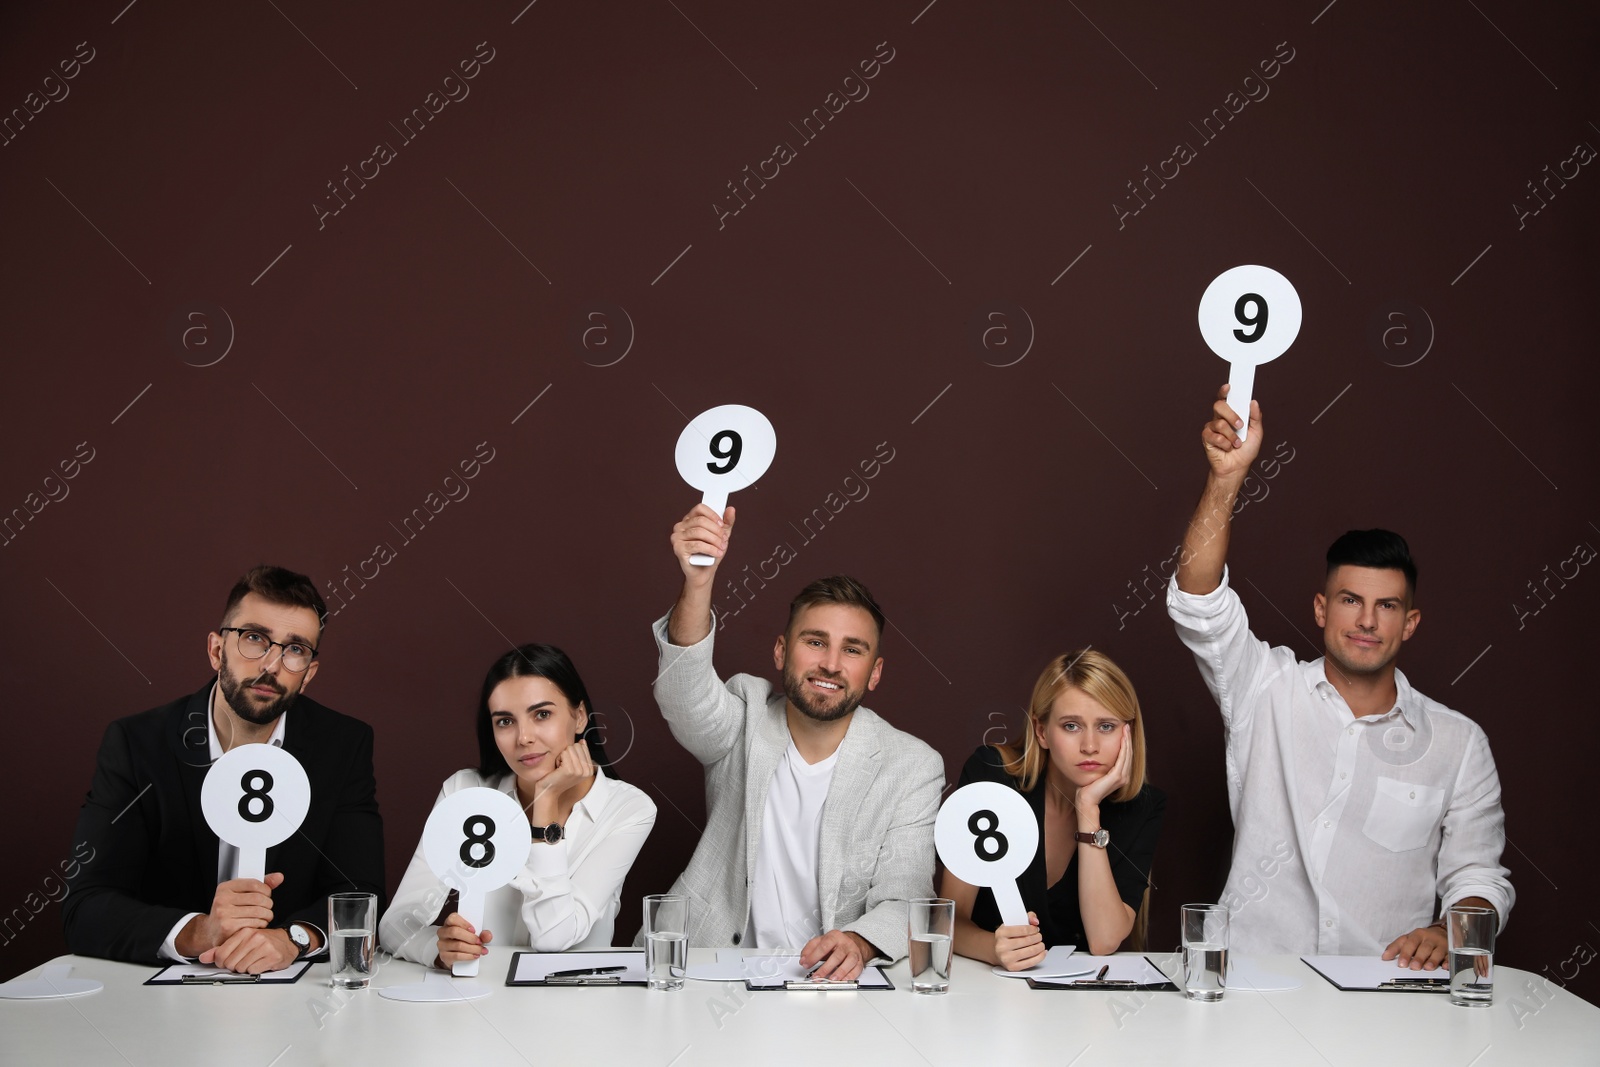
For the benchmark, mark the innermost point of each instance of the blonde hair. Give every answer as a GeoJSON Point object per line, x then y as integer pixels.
{"type": "Point", "coordinates": [1103, 682]}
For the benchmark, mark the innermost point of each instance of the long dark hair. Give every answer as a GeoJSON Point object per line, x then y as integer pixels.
{"type": "Point", "coordinates": [551, 664]}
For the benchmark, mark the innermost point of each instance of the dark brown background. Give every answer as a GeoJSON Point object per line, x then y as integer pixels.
{"type": "Point", "coordinates": [381, 349]}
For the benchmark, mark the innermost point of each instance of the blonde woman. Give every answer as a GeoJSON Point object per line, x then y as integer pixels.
{"type": "Point", "coordinates": [1080, 765]}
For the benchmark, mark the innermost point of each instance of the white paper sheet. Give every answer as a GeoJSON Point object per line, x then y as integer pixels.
{"type": "Point", "coordinates": [1367, 972]}
{"type": "Point", "coordinates": [1122, 969]}
{"type": "Point", "coordinates": [1054, 965]}
{"type": "Point", "coordinates": [173, 975]}
{"type": "Point", "coordinates": [436, 987]}
{"type": "Point", "coordinates": [537, 966]}
{"type": "Point", "coordinates": [771, 972]}
{"type": "Point", "coordinates": [53, 983]}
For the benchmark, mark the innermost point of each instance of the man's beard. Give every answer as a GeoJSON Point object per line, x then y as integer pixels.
{"type": "Point", "coordinates": [233, 691]}
{"type": "Point", "coordinates": [794, 687]}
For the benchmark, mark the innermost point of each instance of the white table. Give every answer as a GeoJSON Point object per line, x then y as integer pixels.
{"type": "Point", "coordinates": [984, 1019]}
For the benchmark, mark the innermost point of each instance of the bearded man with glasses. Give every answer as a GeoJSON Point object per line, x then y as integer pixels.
{"type": "Point", "coordinates": [160, 886]}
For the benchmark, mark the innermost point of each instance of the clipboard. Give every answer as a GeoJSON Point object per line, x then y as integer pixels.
{"type": "Point", "coordinates": [1126, 973]}
{"type": "Point", "coordinates": [202, 974]}
{"type": "Point", "coordinates": [785, 975]}
{"type": "Point", "coordinates": [1369, 974]}
{"type": "Point", "coordinates": [530, 968]}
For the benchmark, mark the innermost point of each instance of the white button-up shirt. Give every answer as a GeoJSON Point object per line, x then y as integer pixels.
{"type": "Point", "coordinates": [1347, 829]}
{"type": "Point", "coordinates": [567, 896]}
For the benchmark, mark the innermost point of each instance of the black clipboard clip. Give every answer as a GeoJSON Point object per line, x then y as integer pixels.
{"type": "Point", "coordinates": [1105, 983]}
{"type": "Point", "coordinates": [219, 979]}
{"type": "Point", "coordinates": [823, 984]}
{"type": "Point", "coordinates": [585, 979]}
{"type": "Point", "coordinates": [1416, 985]}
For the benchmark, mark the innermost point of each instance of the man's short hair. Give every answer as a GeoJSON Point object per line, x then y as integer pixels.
{"type": "Point", "coordinates": [839, 589]}
{"type": "Point", "coordinates": [1382, 549]}
{"type": "Point", "coordinates": [276, 586]}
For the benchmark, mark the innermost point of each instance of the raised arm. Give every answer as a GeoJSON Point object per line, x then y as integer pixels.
{"type": "Point", "coordinates": [1205, 545]}
{"type": "Point", "coordinates": [701, 531]}
{"type": "Point", "coordinates": [704, 716]}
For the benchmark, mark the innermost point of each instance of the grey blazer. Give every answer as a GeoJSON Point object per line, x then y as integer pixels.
{"type": "Point", "coordinates": [876, 844]}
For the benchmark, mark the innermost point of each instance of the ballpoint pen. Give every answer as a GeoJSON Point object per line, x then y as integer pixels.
{"type": "Point", "coordinates": [584, 971]}
{"type": "Point", "coordinates": [1103, 972]}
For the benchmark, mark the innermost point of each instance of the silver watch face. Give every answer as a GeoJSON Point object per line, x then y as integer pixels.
{"type": "Point", "coordinates": [1102, 838]}
{"type": "Point", "coordinates": [298, 935]}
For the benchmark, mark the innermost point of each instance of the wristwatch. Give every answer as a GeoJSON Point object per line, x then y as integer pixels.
{"type": "Point", "coordinates": [1098, 838]}
{"type": "Point", "coordinates": [549, 834]}
{"type": "Point", "coordinates": [301, 938]}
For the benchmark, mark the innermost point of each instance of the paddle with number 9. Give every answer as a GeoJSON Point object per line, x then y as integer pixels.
{"type": "Point", "coordinates": [1249, 315]}
{"type": "Point", "coordinates": [722, 450]}
{"type": "Point", "coordinates": [986, 835]}
{"type": "Point", "coordinates": [475, 841]}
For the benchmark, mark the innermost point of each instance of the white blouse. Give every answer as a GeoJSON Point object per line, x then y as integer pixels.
{"type": "Point", "coordinates": [566, 897]}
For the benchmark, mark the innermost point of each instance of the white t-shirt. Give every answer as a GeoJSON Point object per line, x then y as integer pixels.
{"type": "Point", "coordinates": [784, 910]}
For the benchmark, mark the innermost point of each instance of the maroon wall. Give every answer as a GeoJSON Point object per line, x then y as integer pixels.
{"type": "Point", "coordinates": [301, 379]}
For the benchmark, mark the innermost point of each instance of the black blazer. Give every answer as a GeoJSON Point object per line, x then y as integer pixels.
{"type": "Point", "coordinates": [154, 859]}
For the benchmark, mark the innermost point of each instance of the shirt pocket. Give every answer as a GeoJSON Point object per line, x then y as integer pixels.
{"type": "Point", "coordinates": [1404, 814]}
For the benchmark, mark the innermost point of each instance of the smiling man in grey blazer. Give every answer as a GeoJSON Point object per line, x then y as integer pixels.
{"type": "Point", "coordinates": [820, 814]}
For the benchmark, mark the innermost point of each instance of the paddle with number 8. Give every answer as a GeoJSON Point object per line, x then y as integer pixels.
{"type": "Point", "coordinates": [986, 835]}
{"type": "Point", "coordinates": [253, 798]}
{"type": "Point", "coordinates": [475, 841]}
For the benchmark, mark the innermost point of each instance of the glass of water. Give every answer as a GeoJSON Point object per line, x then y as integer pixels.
{"type": "Point", "coordinates": [930, 922]}
{"type": "Point", "coordinates": [352, 938]}
{"type": "Point", "coordinates": [666, 940]}
{"type": "Point", "coordinates": [1205, 951]}
{"type": "Point", "coordinates": [1471, 932]}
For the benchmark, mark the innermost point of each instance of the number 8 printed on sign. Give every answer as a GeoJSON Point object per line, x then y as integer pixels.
{"type": "Point", "coordinates": [986, 835]}
{"type": "Point", "coordinates": [721, 451]}
{"type": "Point", "coordinates": [255, 805]}
{"type": "Point", "coordinates": [253, 798]}
{"type": "Point", "coordinates": [478, 841]}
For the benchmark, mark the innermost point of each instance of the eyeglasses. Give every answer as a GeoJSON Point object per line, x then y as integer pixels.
{"type": "Point", "coordinates": [253, 644]}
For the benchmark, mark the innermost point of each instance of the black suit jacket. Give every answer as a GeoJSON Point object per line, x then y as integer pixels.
{"type": "Point", "coordinates": [154, 858]}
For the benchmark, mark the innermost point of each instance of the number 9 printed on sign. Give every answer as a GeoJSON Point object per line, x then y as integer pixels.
{"type": "Point", "coordinates": [986, 835]}
{"type": "Point", "coordinates": [253, 798]}
{"type": "Point", "coordinates": [723, 450]}
{"type": "Point", "coordinates": [1249, 316]}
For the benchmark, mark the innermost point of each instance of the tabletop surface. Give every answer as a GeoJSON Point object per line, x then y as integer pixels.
{"type": "Point", "coordinates": [983, 1019]}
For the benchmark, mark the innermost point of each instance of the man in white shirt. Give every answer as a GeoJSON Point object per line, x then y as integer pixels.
{"type": "Point", "coordinates": [1358, 803]}
{"type": "Point", "coordinates": [820, 814]}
